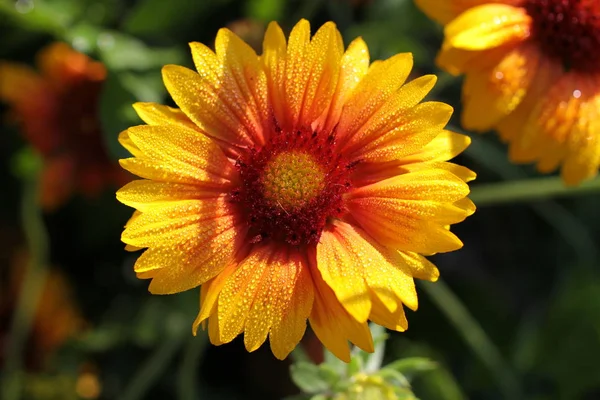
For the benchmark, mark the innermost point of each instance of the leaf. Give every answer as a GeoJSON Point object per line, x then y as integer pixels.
{"type": "Point", "coordinates": [308, 377]}
{"type": "Point", "coordinates": [116, 114]}
{"type": "Point", "coordinates": [120, 51]}
{"type": "Point", "coordinates": [410, 367]}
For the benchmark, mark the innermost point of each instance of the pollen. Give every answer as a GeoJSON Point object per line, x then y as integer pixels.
{"type": "Point", "coordinates": [292, 179]}
{"type": "Point", "coordinates": [568, 30]}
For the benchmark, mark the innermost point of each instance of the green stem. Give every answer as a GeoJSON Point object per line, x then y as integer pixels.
{"type": "Point", "coordinates": [475, 337]}
{"type": "Point", "coordinates": [30, 292]}
{"type": "Point", "coordinates": [154, 366]}
{"type": "Point", "coordinates": [528, 190]}
{"type": "Point", "coordinates": [188, 371]}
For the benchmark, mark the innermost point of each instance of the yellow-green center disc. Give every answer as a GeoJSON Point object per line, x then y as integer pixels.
{"type": "Point", "coordinates": [292, 179]}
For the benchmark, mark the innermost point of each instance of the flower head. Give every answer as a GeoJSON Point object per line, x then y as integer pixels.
{"type": "Point", "coordinates": [57, 110]}
{"type": "Point", "coordinates": [304, 183]}
{"type": "Point", "coordinates": [532, 72]}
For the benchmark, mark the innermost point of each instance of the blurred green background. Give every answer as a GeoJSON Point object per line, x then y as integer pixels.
{"type": "Point", "coordinates": [519, 317]}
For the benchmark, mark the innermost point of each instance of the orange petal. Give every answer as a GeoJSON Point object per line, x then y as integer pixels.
{"type": "Point", "coordinates": [583, 142]}
{"type": "Point", "coordinates": [18, 83]}
{"type": "Point", "coordinates": [409, 211]}
{"type": "Point", "coordinates": [516, 126]}
{"type": "Point", "coordinates": [178, 154]}
{"type": "Point", "coordinates": [458, 61]}
{"type": "Point", "coordinates": [487, 26]}
{"type": "Point", "coordinates": [490, 95]}
{"type": "Point", "coordinates": [190, 242]}
{"type": "Point", "coordinates": [333, 325]}
{"type": "Point", "coordinates": [445, 11]}
{"type": "Point", "coordinates": [269, 293]}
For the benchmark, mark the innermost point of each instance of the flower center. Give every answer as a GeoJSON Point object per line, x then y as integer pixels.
{"type": "Point", "coordinates": [292, 179]}
{"type": "Point", "coordinates": [291, 187]}
{"type": "Point", "coordinates": [568, 30]}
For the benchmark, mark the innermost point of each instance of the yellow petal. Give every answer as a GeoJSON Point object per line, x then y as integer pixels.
{"type": "Point", "coordinates": [354, 265]}
{"type": "Point", "coordinates": [394, 320]}
{"type": "Point", "coordinates": [178, 154]}
{"type": "Point", "coordinates": [488, 26]}
{"type": "Point", "coordinates": [463, 173]}
{"type": "Point", "coordinates": [126, 142]}
{"type": "Point", "coordinates": [209, 294]}
{"type": "Point", "coordinates": [190, 242]}
{"type": "Point", "coordinates": [273, 60]}
{"type": "Point", "coordinates": [333, 325]}
{"type": "Point", "coordinates": [381, 82]}
{"type": "Point", "coordinates": [269, 293]}
{"type": "Point", "coordinates": [446, 10]}
{"type": "Point", "coordinates": [419, 266]}
{"type": "Point", "coordinates": [443, 147]}
{"type": "Point", "coordinates": [342, 269]}
{"type": "Point", "coordinates": [145, 194]}
{"type": "Point", "coordinates": [355, 65]}
{"type": "Point", "coordinates": [311, 76]}
{"type": "Point", "coordinates": [490, 95]}
{"type": "Point", "coordinates": [157, 114]}
{"type": "Point", "coordinates": [210, 107]}
{"type": "Point", "coordinates": [242, 78]}
{"type": "Point", "coordinates": [406, 134]}
{"type": "Point", "coordinates": [409, 211]}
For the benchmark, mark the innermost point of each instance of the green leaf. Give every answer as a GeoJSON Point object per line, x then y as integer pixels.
{"type": "Point", "coordinates": [412, 366]}
{"type": "Point", "coordinates": [394, 377]}
{"type": "Point", "coordinates": [265, 10]}
{"type": "Point", "coordinates": [119, 51]}
{"type": "Point", "coordinates": [116, 114]}
{"type": "Point", "coordinates": [308, 377]}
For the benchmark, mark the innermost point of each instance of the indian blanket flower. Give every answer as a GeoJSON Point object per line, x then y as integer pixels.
{"type": "Point", "coordinates": [532, 71]}
{"type": "Point", "coordinates": [304, 183]}
{"type": "Point", "coordinates": [57, 110]}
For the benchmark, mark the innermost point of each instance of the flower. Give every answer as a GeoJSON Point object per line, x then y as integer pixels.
{"type": "Point", "coordinates": [57, 111]}
{"type": "Point", "coordinates": [300, 184]}
{"type": "Point", "coordinates": [533, 72]}
{"type": "Point", "coordinates": [57, 317]}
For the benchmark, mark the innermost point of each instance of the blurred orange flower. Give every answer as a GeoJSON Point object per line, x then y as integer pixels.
{"type": "Point", "coordinates": [57, 110]}
{"type": "Point", "coordinates": [57, 317]}
{"type": "Point", "coordinates": [302, 184]}
{"type": "Point", "coordinates": [532, 72]}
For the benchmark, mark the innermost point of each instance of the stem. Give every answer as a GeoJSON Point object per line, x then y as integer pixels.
{"type": "Point", "coordinates": [31, 289]}
{"type": "Point", "coordinates": [188, 371]}
{"type": "Point", "coordinates": [528, 190]}
{"type": "Point", "coordinates": [154, 366]}
{"type": "Point", "coordinates": [475, 337]}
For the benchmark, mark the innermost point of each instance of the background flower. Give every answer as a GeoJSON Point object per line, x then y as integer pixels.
{"type": "Point", "coordinates": [58, 112]}
{"type": "Point", "coordinates": [532, 73]}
